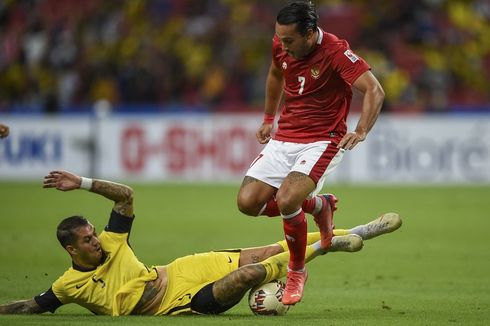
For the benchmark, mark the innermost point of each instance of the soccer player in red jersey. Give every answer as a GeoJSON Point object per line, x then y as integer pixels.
{"type": "Point", "coordinates": [314, 71]}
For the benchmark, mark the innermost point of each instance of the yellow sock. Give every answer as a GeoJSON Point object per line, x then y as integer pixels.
{"type": "Point", "coordinates": [277, 266]}
{"type": "Point", "coordinates": [340, 232]}
{"type": "Point", "coordinates": [311, 238]}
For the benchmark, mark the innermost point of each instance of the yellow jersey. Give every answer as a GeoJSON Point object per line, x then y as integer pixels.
{"type": "Point", "coordinates": [112, 288]}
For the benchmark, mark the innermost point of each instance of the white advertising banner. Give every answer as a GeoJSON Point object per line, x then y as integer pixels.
{"type": "Point", "coordinates": [39, 144]}
{"type": "Point", "coordinates": [423, 149]}
{"type": "Point", "coordinates": [189, 148]}
{"type": "Point", "coordinates": [219, 148]}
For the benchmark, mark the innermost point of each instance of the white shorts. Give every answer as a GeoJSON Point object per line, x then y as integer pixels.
{"type": "Point", "coordinates": [279, 158]}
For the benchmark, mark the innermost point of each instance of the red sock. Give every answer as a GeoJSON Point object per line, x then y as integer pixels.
{"type": "Point", "coordinates": [271, 208]}
{"type": "Point", "coordinates": [309, 205]}
{"type": "Point", "coordinates": [295, 229]}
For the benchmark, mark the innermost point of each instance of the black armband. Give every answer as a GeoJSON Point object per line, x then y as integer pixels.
{"type": "Point", "coordinates": [48, 301]}
{"type": "Point", "coordinates": [119, 223]}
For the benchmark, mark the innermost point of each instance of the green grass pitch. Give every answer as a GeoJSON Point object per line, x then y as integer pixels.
{"type": "Point", "coordinates": [435, 270]}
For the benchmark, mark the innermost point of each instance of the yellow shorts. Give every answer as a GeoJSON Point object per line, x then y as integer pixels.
{"type": "Point", "coordinates": [187, 275]}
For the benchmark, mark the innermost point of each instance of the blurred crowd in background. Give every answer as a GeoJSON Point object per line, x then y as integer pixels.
{"type": "Point", "coordinates": [213, 55]}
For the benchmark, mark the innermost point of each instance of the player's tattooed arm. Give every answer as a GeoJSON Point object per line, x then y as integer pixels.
{"type": "Point", "coordinates": [21, 307]}
{"type": "Point", "coordinates": [122, 195]}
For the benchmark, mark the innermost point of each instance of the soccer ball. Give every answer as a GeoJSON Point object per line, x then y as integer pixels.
{"type": "Point", "coordinates": [266, 299]}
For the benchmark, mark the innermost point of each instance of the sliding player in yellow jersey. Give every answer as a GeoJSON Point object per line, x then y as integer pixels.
{"type": "Point", "coordinates": [108, 279]}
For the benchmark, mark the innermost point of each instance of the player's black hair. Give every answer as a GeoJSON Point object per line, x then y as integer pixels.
{"type": "Point", "coordinates": [65, 231]}
{"type": "Point", "coordinates": [302, 13]}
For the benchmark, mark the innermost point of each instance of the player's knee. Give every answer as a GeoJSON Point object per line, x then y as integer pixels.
{"type": "Point", "coordinates": [286, 201]}
{"type": "Point", "coordinates": [247, 204]}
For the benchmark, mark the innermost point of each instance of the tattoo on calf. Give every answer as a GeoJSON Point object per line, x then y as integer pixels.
{"type": "Point", "coordinates": [233, 287]}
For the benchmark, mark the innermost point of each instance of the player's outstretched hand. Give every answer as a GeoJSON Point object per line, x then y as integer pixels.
{"type": "Point", "coordinates": [62, 180]}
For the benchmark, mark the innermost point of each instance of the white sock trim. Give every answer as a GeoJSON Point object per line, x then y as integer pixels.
{"type": "Point", "coordinates": [292, 215]}
{"type": "Point", "coordinates": [300, 270]}
{"type": "Point", "coordinates": [86, 183]}
{"type": "Point", "coordinates": [318, 205]}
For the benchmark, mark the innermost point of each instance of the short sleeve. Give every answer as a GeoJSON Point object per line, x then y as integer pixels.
{"type": "Point", "coordinates": [48, 301]}
{"type": "Point", "coordinates": [348, 64]}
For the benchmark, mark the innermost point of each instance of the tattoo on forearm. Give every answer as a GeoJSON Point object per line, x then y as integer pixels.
{"type": "Point", "coordinates": [21, 307]}
{"type": "Point", "coordinates": [121, 194]}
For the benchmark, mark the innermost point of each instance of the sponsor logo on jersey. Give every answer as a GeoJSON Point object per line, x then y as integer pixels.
{"type": "Point", "coordinates": [315, 72]}
{"type": "Point", "coordinates": [284, 65]}
{"type": "Point", "coordinates": [78, 286]}
{"type": "Point", "coordinates": [352, 57]}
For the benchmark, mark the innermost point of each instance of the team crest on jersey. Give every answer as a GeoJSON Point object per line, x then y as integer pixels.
{"type": "Point", "coordinates": [284, 65]}
{"type": "Point", "coordinates": [352, 57]}
{"type": "Point", "coordinates": [315, 72]}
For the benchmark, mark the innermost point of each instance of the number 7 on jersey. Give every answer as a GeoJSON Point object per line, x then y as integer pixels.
{"type": "Point", "coordinates": [301, 80]}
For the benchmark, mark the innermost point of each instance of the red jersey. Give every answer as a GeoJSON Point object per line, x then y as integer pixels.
{"type": "Point", "coordinates": [317, 90]}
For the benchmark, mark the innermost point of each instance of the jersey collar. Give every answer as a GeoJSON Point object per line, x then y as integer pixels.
{"type": "Point", "coordinates": [88, 269]}
{"type": "Point", "coordinates": [81, 268]}
{"type": "Point", "coordinates": [320, 36]}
